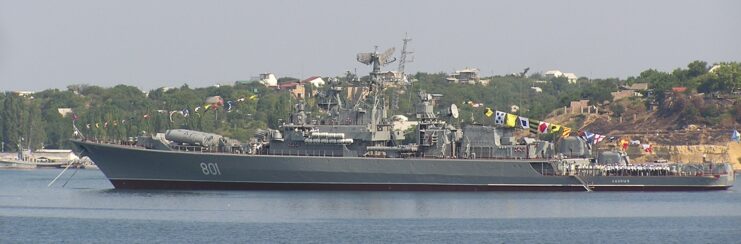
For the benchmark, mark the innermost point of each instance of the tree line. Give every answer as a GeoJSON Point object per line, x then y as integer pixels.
{"type": "Point", "coordinates": [122, 112]}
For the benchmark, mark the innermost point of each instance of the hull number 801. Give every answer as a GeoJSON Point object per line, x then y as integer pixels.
{"type": "Point", "coordinates": [210, 169]}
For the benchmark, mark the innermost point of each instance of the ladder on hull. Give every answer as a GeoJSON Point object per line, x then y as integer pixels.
{"type": "Point", "coordinates": [583, 183]}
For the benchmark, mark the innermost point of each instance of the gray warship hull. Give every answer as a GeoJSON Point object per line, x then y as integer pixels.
{"type": "Point", "coordinates": [129, 167]}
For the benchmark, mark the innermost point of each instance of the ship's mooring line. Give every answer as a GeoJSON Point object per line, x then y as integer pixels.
{"type": "Point", "coordinates": [60, 174]}
{"type": "Point", "coordinates": [70, 177]}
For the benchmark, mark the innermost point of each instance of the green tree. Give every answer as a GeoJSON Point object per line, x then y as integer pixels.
{"type": "Point", "coordinates": [12, 125]}
{"type": "Point", "coordinates": [697, 68]}
{"type": "Point", "coordinates": [35, 125]}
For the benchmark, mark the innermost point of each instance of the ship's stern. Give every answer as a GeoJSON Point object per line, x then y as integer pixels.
{"type": "Point", "coordinates": [731, 175]}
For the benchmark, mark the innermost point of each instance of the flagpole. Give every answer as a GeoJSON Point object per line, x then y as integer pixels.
{"type": "Point", "coordinates": [556, 141]}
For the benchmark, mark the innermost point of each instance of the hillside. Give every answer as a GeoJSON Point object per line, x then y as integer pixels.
{"type": "Point", "coordinates": [671, 135]}
{"type": "Point", "coordinates": [637, 122]}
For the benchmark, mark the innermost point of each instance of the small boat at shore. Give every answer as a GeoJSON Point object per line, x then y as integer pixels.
{"type": "Point", "coordinates": [42, 158]}
{"type": "Point", "coordinates": [24, 164]}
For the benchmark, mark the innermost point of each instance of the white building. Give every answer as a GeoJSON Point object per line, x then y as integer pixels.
{"type": "Point", "coordinates": [553, 73]}
{"type": "Point", "coordinates": [571, 77]}
{"type": "Point", "coordinates": [467, 76]}
{"type": "Point", "coordinates": [315, 81]}
{"type": "Point", "coordinates": [64, 111]}
{"type": "Point", "coordinates": [268, 79]}
{"type": "Point", "coordinates": [24, 93]}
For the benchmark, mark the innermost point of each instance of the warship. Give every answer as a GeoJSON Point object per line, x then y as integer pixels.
{"type": "Point", "coordinates": [356, 148]}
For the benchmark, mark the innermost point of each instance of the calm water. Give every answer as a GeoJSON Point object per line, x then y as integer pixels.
{"type": "Point", "coordinates": [88, 209]}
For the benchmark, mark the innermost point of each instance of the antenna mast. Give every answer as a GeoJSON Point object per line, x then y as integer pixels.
{"type": "Point", "coordinates": [404, 52]}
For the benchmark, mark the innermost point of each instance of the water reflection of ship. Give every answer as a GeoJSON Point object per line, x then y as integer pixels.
{"type": "Point", "coordinates": [356, 148]}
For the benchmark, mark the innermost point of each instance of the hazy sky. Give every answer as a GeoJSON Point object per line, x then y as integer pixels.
{"type": "Point", "coordinates": [52, 44]}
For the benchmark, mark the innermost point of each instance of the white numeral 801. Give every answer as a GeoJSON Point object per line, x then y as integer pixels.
{"type": "Point", "coordinates": [210, 169]}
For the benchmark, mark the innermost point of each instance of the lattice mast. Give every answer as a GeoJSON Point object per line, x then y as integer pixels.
{"type": "Point", "coordinates": [403, 58]}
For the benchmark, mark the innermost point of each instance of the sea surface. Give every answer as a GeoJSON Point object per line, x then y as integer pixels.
{"type": "Point", "coordinates": [84, 208]}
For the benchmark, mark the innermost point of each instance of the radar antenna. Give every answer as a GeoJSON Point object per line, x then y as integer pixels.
{"type": "Point", "coordinates": [453, 111]}
{"type": "Point", "coordinates": [377, 60]}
